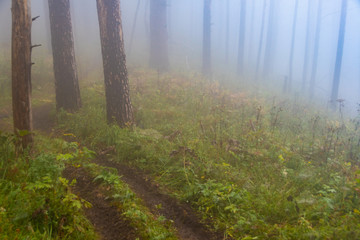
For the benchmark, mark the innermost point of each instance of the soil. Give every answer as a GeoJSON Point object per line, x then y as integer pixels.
{"type": "Point", "coordinates": [107, 220]}
{"type": "Point", "coordinates": [186, 221]}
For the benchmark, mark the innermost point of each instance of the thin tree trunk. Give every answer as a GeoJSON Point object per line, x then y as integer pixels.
{"type": "Point", "coordinates": [159, 58]}
{"type": "Point", "coordinates": [118, 104]}
{"type": "Point", "coordinates": [291, 60]}
{"type": "Point", "coordinates": [241, 47]}
{"type": "Point", "coordinates": [206, 69]}
{"type": "Point", "coordinates": [307, 45]}
{"type": "Point", "coordinates": [251, 34]}
{"type": "Point", "coordinates": [316, 51]}
{"type": "Point", "coordinates": [270, 38]}
{"type": "Point", "coordinates": [339, 55]}
{"type": "Point", "coordinates": [227, 31]}
{"type": "Point", "coordinates": [21, 71]}
{"type": "Point", "coordinates": [65, 71]}
{"type": "Point", "coordinates": [134, 27]}
{"type": "Point", "coordinates": [260, 42]}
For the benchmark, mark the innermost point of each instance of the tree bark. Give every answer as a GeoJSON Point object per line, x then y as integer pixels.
{"type": "Point", "coordinates": [206, 69]}
{"type": "Point", "coordinates": [291, 60]}
{"type": "Point", "coordinates": [339, 55]}
{"type": "Point", "coordinates": [118, 104]}
{"type": "Point", "coordinates": [21, 71]}
{"type": "Point", "coordinates": [241, 47]}
{"type": "Point", "coordinates": [65, 71]}
{"type": "Point", "coordinates": [316, 51]}
{"type": "Point", "coordinates": [159, 58]}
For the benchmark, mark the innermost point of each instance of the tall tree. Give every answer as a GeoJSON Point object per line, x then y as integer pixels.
{"type": "Point", "coordinates": [227, 31]}
{"type": "Point", "coordinates": [316, 50]}
{"type": "Point", "coordinates": [65, 71]}
{"type": "Point", "coordinates": [291, 60]}
{"type": "Point", "coordinates": [241, 47]}
{"type": "Point", "coordinates": [307, 46]}
{"type": "Point", "coordinates": [270, 39]}
{"type": "Point", "coordinates": [206, 58]}
{"type": "Point", "coordinates": [339, 55]}
{"type": "Point", "coordinates": [260, 41]}
{"type": "Point", "coordinates": [134, 26]}
{"type": "Point", "coordinates": [118, 104]}
{"type": "Point", "coordinates": [159, 58]}
{"type": "Point", "coordinates": [21, 71]}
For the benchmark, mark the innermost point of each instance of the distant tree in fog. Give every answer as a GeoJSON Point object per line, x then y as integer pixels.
{"type": "Point", "coordinates": [21, 70]}
{"type": "Point", "coordinates": [260, 41]}
{"type": "Point", "coordinates": [291, 60]}
{"type": "Point", "coordinates": [307, 46]}
{"type": "Point", "coordinates": [118, 104]}
{"type": "Point", "coordinates": [206, 68]}
{"type": "Point", "coordinates": [316, 51]}
{"type": "Point", "coordinates": [241, 47]}
{"type": "Point", "coordinates": [134, 26]}
{"type": "Point", "coordinates": [339, 55]}
{"type": "Point", "coordinates": [270, 40]}
{"type": "Point", "coordinates": [159, 58]}
{"type": "Point", "coordinates": [65, 70]}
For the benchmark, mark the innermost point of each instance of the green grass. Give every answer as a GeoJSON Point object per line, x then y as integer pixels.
{"type": "Point", "coordinates": [255, 167]}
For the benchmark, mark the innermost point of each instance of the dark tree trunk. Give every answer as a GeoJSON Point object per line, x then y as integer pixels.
{"type": "Point", "coordinates": [134, 27]}
{"type": "Point", "coordinates": [270, 40]}
{"type": "Point", "coordinates": [307, 45]}
{"type": "Point", "coordinates": [118, 105]}
{"type": "Point", "coordinates": [21, 71]}
{"type": "Point", "coordinates": [316, 51]}
{"type": "Point", "coordinates": [260, 42]}
{"type": "Point", "coordinates": [65, 71]}
{"type": "Point", "coordinates": [291, 60]}
{"type": "Point", "coordinates": [339, 55]}
{"type": "Point", "coordinates": [206, 68]}
{"type": "Point", "coordinates": [159, 58]}
{"type": "Point", "coordinates": [241, 47]}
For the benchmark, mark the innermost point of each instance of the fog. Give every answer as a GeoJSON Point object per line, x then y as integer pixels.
{"type": "Point", "coordinates": [185, 37]}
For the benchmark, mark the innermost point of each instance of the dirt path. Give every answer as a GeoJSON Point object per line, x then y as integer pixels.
{"type": "Point", "coordinates": [107, 220]}
{"type": "Point", "coordinates": [185, 220]}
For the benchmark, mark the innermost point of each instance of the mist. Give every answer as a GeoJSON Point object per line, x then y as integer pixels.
{"type": "Point", "coordinates": [184, 28]}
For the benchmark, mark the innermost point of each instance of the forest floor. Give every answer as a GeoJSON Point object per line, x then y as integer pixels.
{"type": "Point", "coordinates": [106, 218]}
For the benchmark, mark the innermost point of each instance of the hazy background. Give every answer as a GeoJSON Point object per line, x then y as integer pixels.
{"type": "Point", "coordinates": [185, 40]}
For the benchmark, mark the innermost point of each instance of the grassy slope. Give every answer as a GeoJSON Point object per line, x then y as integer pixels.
{"type": "Point", "coordinates": [253, 166]}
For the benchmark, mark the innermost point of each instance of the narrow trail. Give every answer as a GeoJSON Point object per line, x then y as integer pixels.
{"type": "Point", "coordinates": [107, 220]}
{"type": "Point", "coordinates": [186, 221]}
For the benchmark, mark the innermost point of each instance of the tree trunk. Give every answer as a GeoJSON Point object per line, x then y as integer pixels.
{"type": "Point", "coordinates": [65, 71]}
{"type": "Point", "coordinates": [307, 45]}
{"type": "Point", "coordinates": [118, 104]}
{"type": "Point", "coordinates": [159, 58]}
{"type": "Point", "coordinates": [270, 40]}
{"type": "Point", "coordinates": [206, 69]}
{"type": "Point", "coordinates": [339, 55]}
{"type": "Point", "coordinates": [291, 60]}
{"type": "Point", "coordinates": [241, 47]}
{"type": "Point", "coordinates": [316, 51]}
{"type": "Point", "coordinates": [134, 27]}
{"type": "Point", "coordinates": [227, 31]}
{"type": "Point", "coordinates": [260, 42]}
{"type": "Point", "coordinates": [21, 71]}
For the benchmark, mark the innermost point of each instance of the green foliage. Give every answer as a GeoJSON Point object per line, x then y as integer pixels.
{"type": "Point", "coordinates": [254, 170]}
{"type": "Point", "coordinates": [35, 201]}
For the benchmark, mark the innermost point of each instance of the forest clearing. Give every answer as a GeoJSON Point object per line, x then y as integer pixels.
{"type": "Point", "coordinates": [163, 153]}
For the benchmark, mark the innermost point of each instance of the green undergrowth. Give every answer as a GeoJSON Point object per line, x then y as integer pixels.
{"type": "Point", "coordinates": [147, 225]}
{"type": "Point", "coordinates": [35, 201]}
{"type": "Point", "coordinates": [255, 167]}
